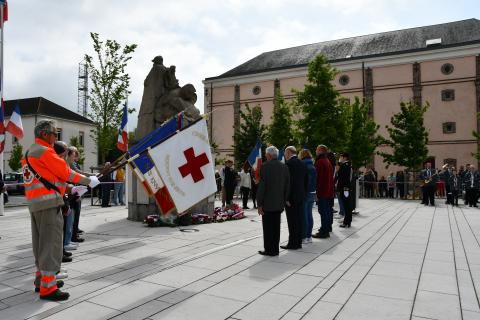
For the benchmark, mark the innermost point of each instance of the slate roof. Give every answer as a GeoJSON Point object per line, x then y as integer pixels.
{"type": "Point", "coordinates": [45, 107]}
{"type": "Point", "coordinates": [379, 44]}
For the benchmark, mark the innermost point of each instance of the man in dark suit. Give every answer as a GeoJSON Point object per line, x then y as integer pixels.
{"type": "Point", "coordinates": [272, 194]}
{"type": "Point", "coordinates": [294, 208]}
{"type": "Point", "coordinates": [429, 178]}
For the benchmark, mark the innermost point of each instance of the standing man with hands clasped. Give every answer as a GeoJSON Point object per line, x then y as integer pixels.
{"type": "Point", "coordinates": [45, 176]}
{"type": "Point", "coordinates": [294, 208]}
{"type": "Point", "coordinates": [272, 194]}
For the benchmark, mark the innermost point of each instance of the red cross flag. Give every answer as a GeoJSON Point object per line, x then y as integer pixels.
{"type": "Point", "coordinates": [185, 164]}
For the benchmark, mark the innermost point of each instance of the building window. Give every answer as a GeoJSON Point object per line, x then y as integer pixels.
{"type": "Point", "coordinates": [451, 162]}
{"type": "Point", "coordinates": [256, 90]}
{"type": "Point", "coordinates": [449, 127]}
{"type": "Point", "coordinates": [447, 68]}
{"type": "Point", "coordinates": [448, 95]}
{"type": "Point", "coordinates": [14, 140]}
{"type": "Point", "coordinates": [59, 134]}
{"type": "Point", "coordinates": [344, 80]}
{"type": "Point", "coordinates": [206, 92]}
{"type": "Point", "coordinates": [81, 136]}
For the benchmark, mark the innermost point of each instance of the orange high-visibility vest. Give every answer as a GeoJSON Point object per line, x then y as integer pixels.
{"type": "Point", "coordinates": [52, 168]}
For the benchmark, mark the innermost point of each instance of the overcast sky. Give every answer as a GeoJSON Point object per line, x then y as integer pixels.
{"type": "Point", "coordinates": [45, 40]}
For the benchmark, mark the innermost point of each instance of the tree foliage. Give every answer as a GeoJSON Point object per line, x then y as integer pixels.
{"type": "Point", "coordinates": [245, 137]}
{"type": "Point", "coordinates": [75, 141]}
{"type": "Point", "coordinates": [322, 119]}
{"type": "Point", "coordinates": [408, 137]}
{"type": "Point", "coordinates": [110, 84]}
{"type": "Point", "coordinates": [280, 131]}
{"type": "Point", "coordinates": [362, 134]}
{"type": "Point", "coordinates": [477, 136]}
{"type": "Point", "coordinates": [15, 160]}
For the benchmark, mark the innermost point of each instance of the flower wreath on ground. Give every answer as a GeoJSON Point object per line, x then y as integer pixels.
{"type": "Point", "coordinates": [231, 212]}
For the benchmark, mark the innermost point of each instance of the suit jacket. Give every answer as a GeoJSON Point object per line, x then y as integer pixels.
{"type": "Point", "coordinates": [298, 180]}
{"type": "Point", "coordinates": [274, 186]}
{"type": "Point", "coordinates": [433, 176]}
{"type": "Point", "coordinates": [344, 177]}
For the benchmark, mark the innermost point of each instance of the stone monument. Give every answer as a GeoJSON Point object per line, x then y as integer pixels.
{"type": "Point", "coordinates": [162, 99]}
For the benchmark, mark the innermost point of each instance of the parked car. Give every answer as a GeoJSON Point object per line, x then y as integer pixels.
{"type": "Point", "coordinates": [14, 182]}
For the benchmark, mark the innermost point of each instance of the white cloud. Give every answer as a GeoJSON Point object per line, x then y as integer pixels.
{"type": "Point", "coordinates": [45, 40]}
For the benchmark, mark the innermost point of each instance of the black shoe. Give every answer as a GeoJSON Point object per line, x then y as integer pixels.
{"type": "Point", "coordinates": [245, 208]}
{"type": "Point", "coordinates": [80, 231]}
{"type": "Point", "coordinates": [289, 247]}
{"type": "Point", "coordinates": [264, 253]}
{"type": "Point", "coordinates": [56, 295]}
{"type": "Point", "coordinates": [106, 206]}
{"type": "Point", "coordinates": [66, 259]}
{"type": "Point", "coordinates": [59, 285]}
{"type": "Point", "coordinates": [78, 239]}
{"type": "Point", "coordinates": [67, 253]}
{"type": "Point", "coordinates": [343, 225]}
{"type": "Point", "coordinates": [321, 235]}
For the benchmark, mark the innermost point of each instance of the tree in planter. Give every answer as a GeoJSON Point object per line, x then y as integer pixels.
{"type": "Point", "coordinates": [245, 137]}
{"type": "Point", "coordinates": [280, 131]}
{"type": "Point", "coordinates": [362, 134]}
{"type": "Point", "coordinates": [323, 120]}
{"type": "Point", "coordinates": [408, 137]}
{"type": "Point", "coordinates": [75, 141]}
{"type": "Point", "coordinates": [110, 84]}
{"type": "Point", "coordinates": [15, 161]}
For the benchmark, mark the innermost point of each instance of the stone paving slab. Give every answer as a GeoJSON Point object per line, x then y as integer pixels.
{"type": "Point", "coordinates": [400, 260]}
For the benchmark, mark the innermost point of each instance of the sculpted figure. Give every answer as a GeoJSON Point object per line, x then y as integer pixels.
{"type": "Point", "coordinates": [163, 98]}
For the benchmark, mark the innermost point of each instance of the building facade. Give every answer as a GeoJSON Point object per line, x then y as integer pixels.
{"type": "Point", "coordinates": [438, 64]}
{"type": "Point", "coordinates": [69, 124]}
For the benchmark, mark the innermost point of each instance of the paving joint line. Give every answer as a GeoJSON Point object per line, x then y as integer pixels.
{"type": "Point", "coordinates": [343, 305]}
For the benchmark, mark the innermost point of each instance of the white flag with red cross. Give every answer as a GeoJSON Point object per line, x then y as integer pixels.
{"type": "Point", "coordinates": [185, 164]}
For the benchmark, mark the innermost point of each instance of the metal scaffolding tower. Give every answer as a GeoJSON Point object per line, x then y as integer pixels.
{"type": "Point", "coordinates": [82, 102]}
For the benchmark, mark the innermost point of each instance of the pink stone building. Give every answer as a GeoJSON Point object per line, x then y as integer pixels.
{"type": "Point", "coordinates": [438, 64]}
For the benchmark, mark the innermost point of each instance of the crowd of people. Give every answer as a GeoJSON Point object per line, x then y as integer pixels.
{"type": "Point", "coordinates": [447, 182]}
{"type": "Point", "coordinates": [294, 186]}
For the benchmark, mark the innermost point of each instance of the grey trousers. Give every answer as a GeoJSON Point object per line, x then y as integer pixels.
{"type": "Point", "coordinates": [47, 240]}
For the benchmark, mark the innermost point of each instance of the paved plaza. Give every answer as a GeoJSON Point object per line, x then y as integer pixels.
{"type": "Point", "coordinates": [400, 260]}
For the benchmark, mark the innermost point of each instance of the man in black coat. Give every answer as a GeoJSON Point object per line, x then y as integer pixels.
{"type": "Point", "coordinates": [272, 194]}
{"type": "Point", "coordinates": [430, 178]}
{"type": "Point", "coordinates": [294, 208]}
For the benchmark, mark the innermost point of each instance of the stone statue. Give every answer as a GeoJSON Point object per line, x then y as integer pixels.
{"type": "Point", "coordinates": [163, 98]}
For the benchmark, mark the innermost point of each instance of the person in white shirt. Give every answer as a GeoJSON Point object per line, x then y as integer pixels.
{"type": "Point", "coordinates": [245, 183]}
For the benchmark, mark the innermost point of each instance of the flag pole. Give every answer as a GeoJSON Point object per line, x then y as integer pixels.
{"type": "Point", "coordinates": [1, 97]}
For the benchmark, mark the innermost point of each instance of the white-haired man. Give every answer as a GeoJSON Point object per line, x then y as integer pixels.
{"type": "Point", "coordinates": [272, 195]}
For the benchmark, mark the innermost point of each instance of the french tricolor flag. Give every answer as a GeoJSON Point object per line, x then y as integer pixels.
{"type": "Point", "coordinates": [255, 159]}
{"type": "Point", "coordinates": [122, 142]}
{"type": "Point", "coordinates": [14, 125]}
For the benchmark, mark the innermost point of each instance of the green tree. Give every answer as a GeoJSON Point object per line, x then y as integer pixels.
{"type": "Point", "coordinates": [408, 137]}
{"type": "Point", "coordinates": [362, 134]}
{"type": "Point", "coordinates": [322, 119]}
{"type": "Point", "coordinates": [477, 136]}
{"type": "Point", "coordinates": [280, 131]}
{"type": "Point", "coordinates": [110, 84]}
{"type": "Point", "coordinates": [245, 137]}
{"type": "Point", "coordinates": [15, 161]}
{"type": "Point", "coordinates": [75, 141]}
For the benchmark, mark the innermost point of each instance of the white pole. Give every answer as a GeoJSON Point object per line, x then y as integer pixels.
{"type": "Point", "coordinates": [1, 97]}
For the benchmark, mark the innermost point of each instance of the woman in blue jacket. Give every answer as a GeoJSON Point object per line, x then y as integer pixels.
{"type": "Point", "coordinates": [306, 157]}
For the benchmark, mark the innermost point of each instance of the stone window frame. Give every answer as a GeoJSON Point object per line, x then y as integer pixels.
{"type": "Point", "coordinates": [448, 95]}
{"type": "Point", "coordinates": [344, 79]}
{"type": "Point", "coordinates": [450, 161]}
{"type": "Point", "coordinates": [447, 68]}
{"type": "Point", "coordinates": [256, 90]}
{"type": "Point", "coordinates": [449, 127]}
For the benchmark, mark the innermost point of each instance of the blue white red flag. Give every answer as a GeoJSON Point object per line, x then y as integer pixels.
{"type": "Point", "coordinates": [122, 142]}
{"type": "Point", "coordinates": [255, 159]}
{"type": "Point", "coordinates": [2, 127]}
{"type": "Point", "coordinates": [14, 125]}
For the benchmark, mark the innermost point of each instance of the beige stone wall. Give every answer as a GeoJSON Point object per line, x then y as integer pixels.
{"type": "Point", "coordinates": [392, 83]}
